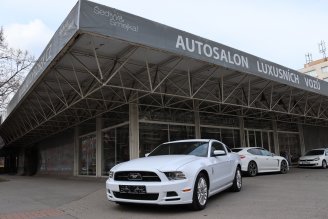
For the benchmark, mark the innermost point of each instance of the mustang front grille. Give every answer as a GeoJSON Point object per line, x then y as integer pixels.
{"type": "Point", "coordinates": [142, 176]}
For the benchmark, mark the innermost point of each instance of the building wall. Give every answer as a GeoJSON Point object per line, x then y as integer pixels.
{"type": "Point", "coordinates": [317, 69]}
{"type": "Point", "coordinates": [315, 137]}
{"type": "Point", "coordinates": [57, 154]}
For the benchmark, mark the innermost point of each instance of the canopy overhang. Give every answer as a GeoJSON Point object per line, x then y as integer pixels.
{"type": "Point", "coordinates": [101, 59]}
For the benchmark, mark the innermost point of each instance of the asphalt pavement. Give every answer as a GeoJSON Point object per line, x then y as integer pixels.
{"type": "Point", "coordinates": [301, 193]}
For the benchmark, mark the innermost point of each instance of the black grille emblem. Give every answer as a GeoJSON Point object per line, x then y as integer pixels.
{"type": "Point", "coordinates": [134, 176]}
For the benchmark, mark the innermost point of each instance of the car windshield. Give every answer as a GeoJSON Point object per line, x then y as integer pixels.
{"type": "Point", "coordinates": [314, 152]}
{"type": "Point", "coordinates": [196, 148]}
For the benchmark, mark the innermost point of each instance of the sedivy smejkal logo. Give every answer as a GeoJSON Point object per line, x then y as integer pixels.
{"type": "Point", "coordinates": [115, 19]}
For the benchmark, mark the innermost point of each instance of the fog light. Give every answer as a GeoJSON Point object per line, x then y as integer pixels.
{"type": "Point", "coordinates": [171, 194]}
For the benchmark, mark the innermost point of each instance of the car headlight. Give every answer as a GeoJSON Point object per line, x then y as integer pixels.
{"type": "Point", "coordinates": [176, 175]}
{"type": "Point", "coordinates": [111, 174]}
{"type": "Point", "coordinates": [316, 159]}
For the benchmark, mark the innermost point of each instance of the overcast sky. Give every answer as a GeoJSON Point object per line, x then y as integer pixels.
{"type": "Point", "coordinates": [282, 31]}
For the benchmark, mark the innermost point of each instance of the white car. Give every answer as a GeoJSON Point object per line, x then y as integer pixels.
{"type": "Point", "coordinates": [259, 160]}
{"type": "Point", "coordinates": [178, 172]}
{"type": "Point", "coordinates": [314, 158]}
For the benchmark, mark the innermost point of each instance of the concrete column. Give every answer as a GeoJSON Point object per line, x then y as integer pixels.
{"type": "Point", "coordinates": [275, 137]}
{"type": "Point", "coordinates": [99, 146]}
{"type": "Point", "coordinates": [242, 132]}
{"type": "Point", "coordinates": [134, 130]}
{"type": "Point", "coordinates": [301, 134]}
{"type": "Point", "coordinates": [76, 151]}
{"type": "Point", "coordinates": [197, 120]}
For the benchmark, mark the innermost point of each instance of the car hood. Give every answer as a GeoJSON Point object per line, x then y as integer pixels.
{"type": "Point", "coordinates": [161, 163]}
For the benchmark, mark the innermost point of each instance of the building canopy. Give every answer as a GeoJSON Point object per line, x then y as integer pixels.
{"type": "Point", "coordinates": [101, 59]}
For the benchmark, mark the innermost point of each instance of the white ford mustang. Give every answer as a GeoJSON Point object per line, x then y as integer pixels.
{"type": "Point", "coordinates": [178, 172]}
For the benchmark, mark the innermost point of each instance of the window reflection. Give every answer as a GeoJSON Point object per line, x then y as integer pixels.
{"type": "Point", "coordinates": [87, 155]}
{"type": "Point", "coordinates": [115, 147]}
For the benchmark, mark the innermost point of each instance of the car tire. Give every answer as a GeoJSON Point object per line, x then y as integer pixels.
{"type": "Point", "coordinates": [200, 194]}
{"type": "Point", "coordinates": [252, 169]}
{"type": "Point", "coordinates": [237, 181]}
{"type": "Point", "coordinates": [324, 164]}
{"type": "Point", "coordinates": [283, 167]}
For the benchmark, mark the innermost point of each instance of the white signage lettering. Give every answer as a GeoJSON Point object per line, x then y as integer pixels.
{"type": "Point", "coordinates": [201, 48]}
{"type": "Point", "coordinates": [274, 71]}
{"type": "Point", "coordinates": [115, 19]}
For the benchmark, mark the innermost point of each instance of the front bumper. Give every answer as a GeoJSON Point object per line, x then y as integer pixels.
{"type": "Point", "coordinates": [317, 163]}
{"type": "Point", "coordinates": [161, 193]}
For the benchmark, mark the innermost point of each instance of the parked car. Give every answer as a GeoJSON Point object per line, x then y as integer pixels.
{"type": "Point", "coordinates": [256, 160]}
{"type": "Point", "coordinates": [178, 172]}
{"type": "Point", "coordinates": [314, 158]}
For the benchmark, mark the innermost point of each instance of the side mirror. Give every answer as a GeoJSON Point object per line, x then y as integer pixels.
{"type": "Point", "coordinates": [146, 155]}
{"type": "Point", "coordinates": [219, 152]}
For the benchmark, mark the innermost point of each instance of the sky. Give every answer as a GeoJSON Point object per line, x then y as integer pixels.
{"type": "Point", "coordinates": [281, 31]}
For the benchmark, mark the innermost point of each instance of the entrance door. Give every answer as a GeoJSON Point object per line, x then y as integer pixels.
{"type": "Point", "coordinates": [289, 146]}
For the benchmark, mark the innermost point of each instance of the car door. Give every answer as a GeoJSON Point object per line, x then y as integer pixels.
{"type": "Point", "coordinates": [270, 163]}
{"type": "Point", "coordinates": [220, 166]}
{"type": "Point", "coordinates": [258, 158]}
{"type": "Point", "coordinates": [326, 155]}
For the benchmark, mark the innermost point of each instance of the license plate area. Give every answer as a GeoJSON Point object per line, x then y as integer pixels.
{"type": "Point", "coordinates": [129, 189]}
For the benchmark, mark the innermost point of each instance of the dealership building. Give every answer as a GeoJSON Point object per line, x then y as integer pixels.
{"type": "Point", "coordinates": [110, 86]}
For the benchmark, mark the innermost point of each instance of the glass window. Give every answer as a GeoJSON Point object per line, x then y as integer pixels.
{"type": "Point", "coordinates": [265, 142]}
{"type": "Point", "coordinates": [228, 137]}
{"type": "Point", "coordinates": [218, 120]}
{"type": "Point", "coordinates": [185, 148]}
{"type": "Point", "coordinates": [180, 132]}
{"type": "Point", "coordinates": [211, 133]}
{"type": "Point", "coordinates": [87, 155]}
{"type": "Point", "coordinates": [312, 73]}
{"type": "Point", "coordinates": [152, 135]}
{"type": "Point", "coordinates": [2, 162]}
{"type": "Point", "coordinates": [324, 69]}
{"type": "Point", "coordinates": [115, 147]}
{"type": "Point", "coordinates": [314, 152]}
{"type": "Point", "coordinates": [254, 151]}
{"type": "Point", "coordinates": [216, 146]}
{"type": "Point", "coordinates": [265, 152]}
{"type": "Point", "coordinates": [289, 146]}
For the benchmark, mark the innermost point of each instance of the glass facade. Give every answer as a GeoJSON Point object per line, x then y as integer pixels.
{"type": "Point", "coordinates": [87, 155]}
{"type": "Point", "coordinates": [161, 125]}
{"type": "Point", "coordinates": [153, 134]}
{"type": "Point", "coordinates": [289, 145]}
{"type": "Point", "coordinates": [230, 137]}
{"type": "Point", "coordinates": [259, 138]}
{"type": "Point", "coordinates": [115, 147]}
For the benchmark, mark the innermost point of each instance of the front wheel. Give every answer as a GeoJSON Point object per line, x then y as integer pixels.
{"type": "Point", "coordinates": [283, 167]}
{"type": "Point", "coordinates": [324, 164]}
{"type": "Point", "coordinates": [200, 195]}
{"type": "Point", "coordinates": [237, 182]}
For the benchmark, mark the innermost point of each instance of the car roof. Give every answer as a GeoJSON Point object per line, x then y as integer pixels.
{"type": "Point", "coordinates": [190, 140]}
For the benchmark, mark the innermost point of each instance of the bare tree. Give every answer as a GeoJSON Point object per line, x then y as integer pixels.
{"type": "Point", "coordinates": [14, 65]}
